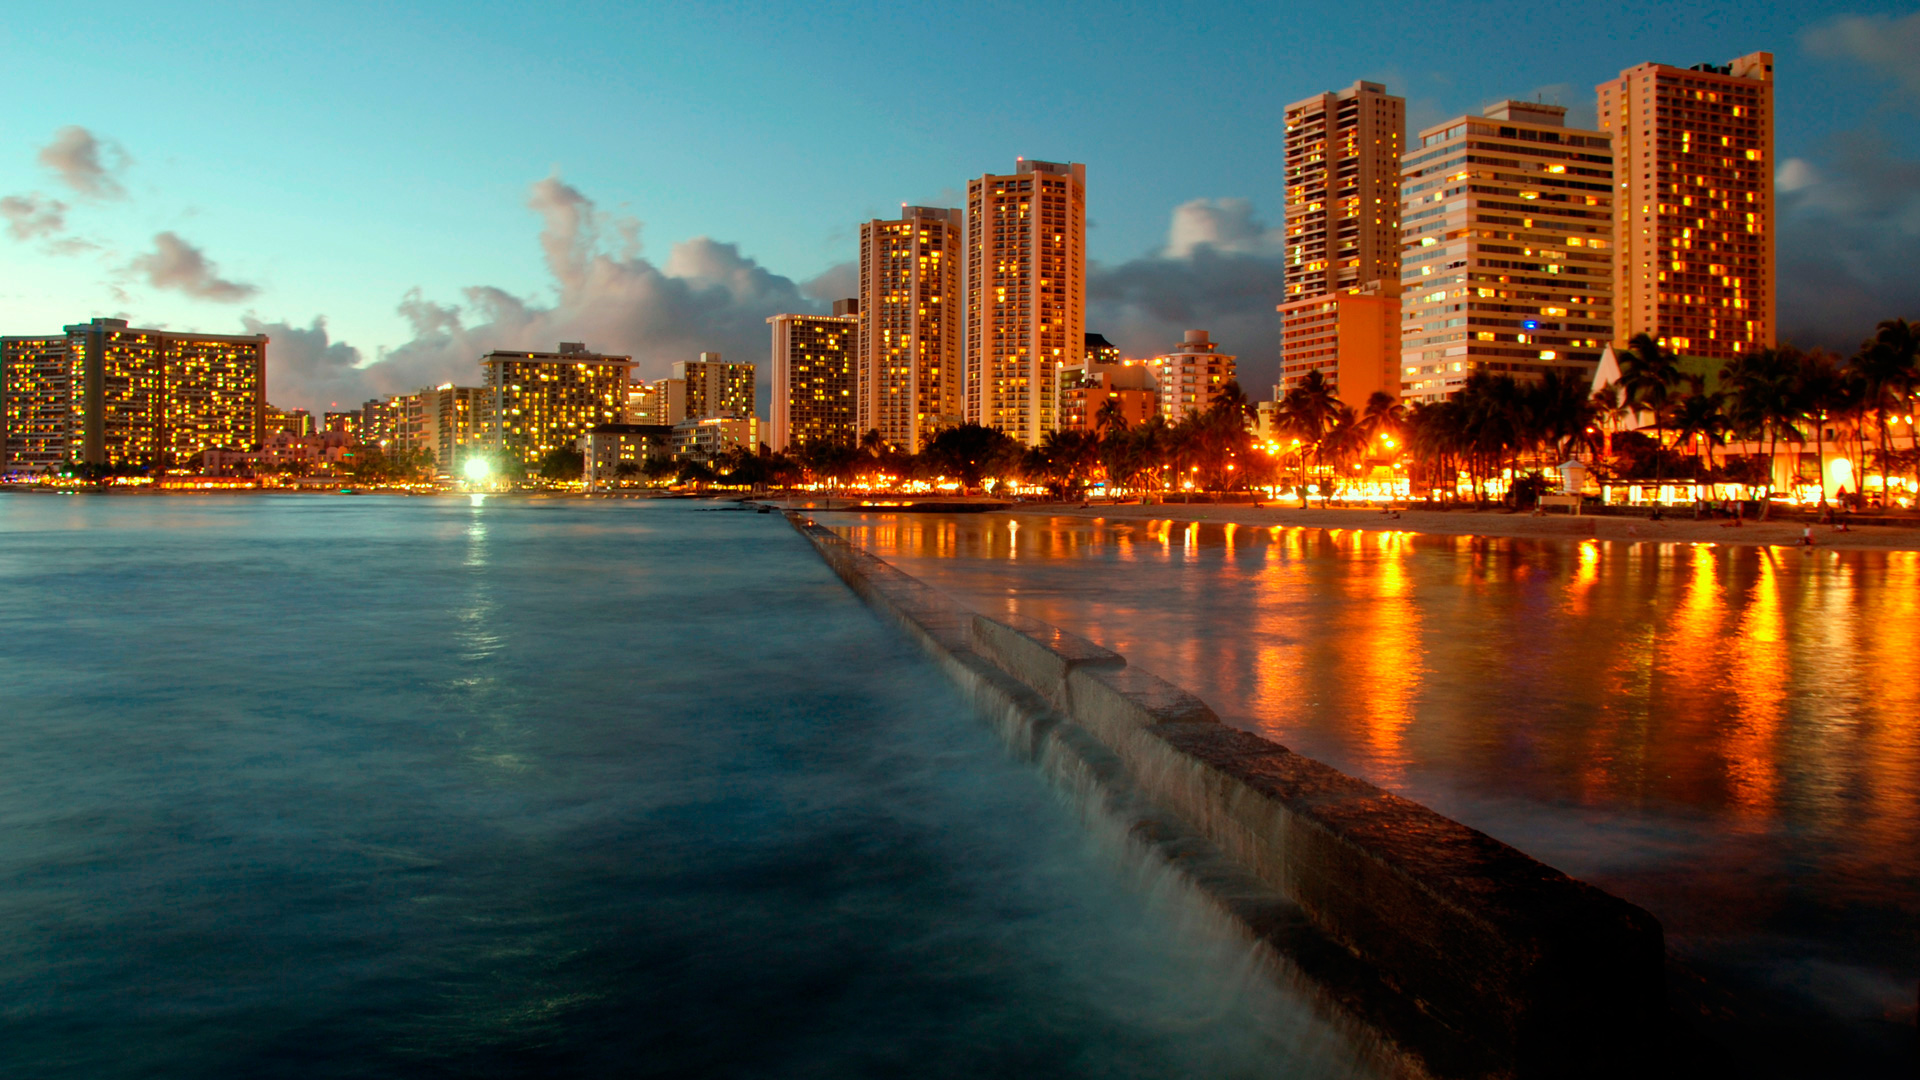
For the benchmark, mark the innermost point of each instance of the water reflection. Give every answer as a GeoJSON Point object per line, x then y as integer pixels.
{"type": "Point", "coordinates": [1724, 734]}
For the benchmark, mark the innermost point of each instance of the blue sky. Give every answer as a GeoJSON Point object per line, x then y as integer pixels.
{"type": "Point", "coordinates": [343, 162]}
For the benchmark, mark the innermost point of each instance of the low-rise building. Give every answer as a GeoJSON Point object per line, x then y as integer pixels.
{"type": "Point", "coordinates": [1086, 389]}
{"type": "Point", "coordinates": [706, 438]}
{"type": "Point", "coordinates": [606, 446]}
{"type": "Point", "coordinates": [1351, 337]}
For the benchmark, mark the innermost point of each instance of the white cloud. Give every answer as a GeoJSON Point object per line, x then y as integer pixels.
{"type": "Point", "coordinates": [178, 265]}
{"type": "Point", "coordinates": [1225, 225]}
{"type": "Point", "coordinates": [32, 216]}
{"type": "Point", "coordinates": [85, 163]}
{"type": "Point", "coordinates": [1885, 45]}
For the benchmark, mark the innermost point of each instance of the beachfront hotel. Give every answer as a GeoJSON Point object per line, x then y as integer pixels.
{"type": "Point", "coordinates": [715, 387]}
{"type": "Point", "coordinates": [1191, 377]}
{"type": "Point", "coordinates": [1508, 263]}
{"type": "Point", "coordinates": [812, 384]}
{"type": "Point", "coordinates": [1694, 231]}
{"type": "Point", "coordinates": [909, 362]}
{"type": "Point", "coordinates": [1025, 283]}
{"type": "Point", "coordinates": [662, 401]}
{"type": "Point", "coordinates": [106, 393]}
{"type": "Point", "coordinates": [1340, 315]}
{"type": "Point", "coordinates": [539, 402]}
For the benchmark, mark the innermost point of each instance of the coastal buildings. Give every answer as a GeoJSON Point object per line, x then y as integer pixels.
{"type": "Point", "coordinates": [1089, 387]}
{"type": "Point", "coordinates": [606, 447]}
{"type": "Point", "coordinates": [813, 377]}
{"type": "Point", "coordinates": [1340, 315]}
{"type": "Point", "coordinates": [663, 401]}
{"type": "Point", "coordinates": [106, 393]}
{"type": "Point", "coordinates": [1025, 291]}
{"type": "Point", "coordinates": [539, 402]}
{"type": "Point", "coordinates": [910, 329]}
{"type": "Point", "coordinates": [716, 387]}
{"type": "Point", "coordinates": [1508, 260]}
{"type": "Point", "coordinates": [705, 438]}
{"type": "Point", "coordinates": [1191, 377]}
{"type": "Point", "coordinates": [453, 424]}
{"type": "Point", "coordinates": [286, 422]}
{"type": "Point", "coordinates": [1694, 231]}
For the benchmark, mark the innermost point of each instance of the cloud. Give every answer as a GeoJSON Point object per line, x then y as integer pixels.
{"type": "Point", "coordinates": [178, 265]}
{"type": "Point", "coordinates": [86, 164]}
{"type": "Point", "coordinates": [31, 216]}
{"type": "Point", "coordinates": [707, 296]}
{"type": "Point", "coordinates": [1884, 45]}
{"type": "Point", "coordinates": [1847, 229]}
{"type": "Point", "coordinates": [1225, 225]}
{"type": "Point", "coordinates": [1221, 271]}
{"type": "Point", "coordinates": [307, 369]}
{"type": "Point", "coordinates": [839, 282]}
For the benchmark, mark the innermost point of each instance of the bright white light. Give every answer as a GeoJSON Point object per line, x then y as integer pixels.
{"type": "Point", "coordinates": [476, 468]}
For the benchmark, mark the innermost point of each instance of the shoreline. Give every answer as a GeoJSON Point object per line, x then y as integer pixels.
{"type": "Point", "coordinates": [1519, 526]}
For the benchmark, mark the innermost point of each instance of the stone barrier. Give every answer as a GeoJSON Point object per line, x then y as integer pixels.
{"type": "Point", "coordinates": [1470, 957]}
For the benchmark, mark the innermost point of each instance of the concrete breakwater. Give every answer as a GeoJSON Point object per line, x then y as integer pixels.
{"type": "Point", "coordinates": [1466, 956]}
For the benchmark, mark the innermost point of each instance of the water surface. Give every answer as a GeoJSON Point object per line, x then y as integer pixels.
{"type": "Point", "coordinates": [320, 786]}
{"type": "Point", "coordinates": [1728, 736]}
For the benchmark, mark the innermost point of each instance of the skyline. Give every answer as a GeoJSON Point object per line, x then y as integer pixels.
{"type": "Point", "coordinates": [697, 202]}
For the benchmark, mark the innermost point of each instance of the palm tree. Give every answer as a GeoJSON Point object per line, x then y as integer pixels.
{"type": "Point", "coordinates": [1308, 409]}
{"type": "Point", "coordinates": [1821, 386]}
{"type": "Point", "coordinates": [1700, 420]}
{"type": "Point", "coordinates": [1763, 401]}
{"type": "Point", "coordinates": [1886, 363]}
{"type": "Point", "coordinates": [1648, 372]}
{"type": "Point", "coordinates": [1383, 419]}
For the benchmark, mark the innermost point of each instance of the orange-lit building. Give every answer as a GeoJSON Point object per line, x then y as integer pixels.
{"type": "Point", "coordinates": [1694, 228]}
{"type": "Point", "coordinates": [1340, 314]}
{"type": "Point", "coordinates": [1025, 282]}
{"type": "Point", "coordinates": [1352, 337]}
{"type": "Point", "coordinates": [812, 386]}
{"type": "Point", "coordinates": [1507, 266]}
{"type": "Point", "coordinates": [106, 393]}
{"type": "Point", "coordinates": [539, 402]}
{"type": "Point", "coordinates": [1087, 387]}
{"type": "Point", "coordinates": [1191, 377]}
{"type": "Point", "coordinates": [910, 325]}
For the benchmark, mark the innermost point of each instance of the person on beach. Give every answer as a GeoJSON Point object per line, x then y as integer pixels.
{"type": "Point", "coordinates": [1806, 536]}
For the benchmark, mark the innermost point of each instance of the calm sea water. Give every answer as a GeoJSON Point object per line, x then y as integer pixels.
{"type": "Point", "coordinates": [319, 787]}
{"type": "Point", "coordinates": [1728, 736]}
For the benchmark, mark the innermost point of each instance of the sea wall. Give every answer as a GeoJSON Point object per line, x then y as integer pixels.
{"type": "Point", "coordinates": [1468, 956]}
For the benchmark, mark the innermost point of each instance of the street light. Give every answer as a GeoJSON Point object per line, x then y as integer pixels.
{"type": "Point", "coordinates": [477, 470]}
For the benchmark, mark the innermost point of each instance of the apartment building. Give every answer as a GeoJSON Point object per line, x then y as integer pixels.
{"type": "Point", "coordinates": [910, 330]}
{"type": "Point", "coordinates": [813, 377]}
{"type": "Point", "coordinates": [538, 402]}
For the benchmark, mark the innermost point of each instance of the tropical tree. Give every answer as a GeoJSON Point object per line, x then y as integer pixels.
{"type": "Point", "coordinates": [1886, 364]}
{"type": "Point", "coordinates": [968, 452]}
{"type": "Point", "coordinates": [1648, 374]}
{"type": "Point", "coordinates": [1764, 401]}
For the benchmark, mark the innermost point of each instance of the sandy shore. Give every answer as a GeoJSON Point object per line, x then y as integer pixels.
{"type": "Point", "coordinates": [1494, 523]}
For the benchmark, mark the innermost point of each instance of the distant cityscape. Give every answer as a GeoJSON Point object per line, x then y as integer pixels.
{"type": "Point", "coordinates": [1503, 243]}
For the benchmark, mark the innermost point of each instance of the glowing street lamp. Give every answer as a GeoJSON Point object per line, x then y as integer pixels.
{"type": "Point", "coordinates": [477, 470]}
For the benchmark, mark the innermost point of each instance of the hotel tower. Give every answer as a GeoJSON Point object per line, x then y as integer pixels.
{"type": "Point", "coordinates": [105, 393]}
{"type": "Point", "coordinates": [813, 374]}
{"type": "Point", "coordinates": [909, 346]}
{"type": "Point", "coordinates": [1026, 293]}
{"type": "Point", "coordinates": [1694, 225]}
{"type": "Point", "coordinates": [1508, 265]}
{"type": "Point", "coordinates": [1341, 312]}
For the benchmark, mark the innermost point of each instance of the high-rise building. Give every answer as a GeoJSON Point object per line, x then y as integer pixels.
{"type": "Point", "coordinates": [662, 401]}
{"type": "Point", "coordinates": [453, 425]}
{"type": "Point", "coordinates": [539, 402]}
{"type": "Point", "coordinates": [1343, 189]}
{"type": "Point", "coordinates": [1340, 315]}
{"type": "Point", "coordinates": [813, 378]}
{"type": "Point", "coordinates": [909, 362]}
{"type": "Point", "coordinates": [1191, 377]}
{"type": "Point", "coordinates": [1025, 283]}
{"type": "Point", "coordinates": [716, 387]}
{"type": "Point", "coordinates": [344, 423]}
{"type": "Point", "coordinates": [106, 393]}
{"type": "Point", "coordinates": [1694, 218]}
{"type": "Point", "coordinates": [1508, 260]}
{"type": "Point", "coordinates": [1098, 350]}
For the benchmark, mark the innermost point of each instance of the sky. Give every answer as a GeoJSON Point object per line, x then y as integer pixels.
{"type": "Point", "coordinates": [390, 190]}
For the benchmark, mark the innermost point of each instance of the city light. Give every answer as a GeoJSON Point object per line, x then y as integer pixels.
{"type": "Point", "coordinates": [477, 470]}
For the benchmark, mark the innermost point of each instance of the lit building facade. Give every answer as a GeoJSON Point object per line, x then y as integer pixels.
{"type": "Point", "coordinates": [1087, 387]}
{"type": "Point", "coordinates": [539, 402]}
{"type": "Point", "coordinates": [346, 423]}
{"type": "Point", "coordinates": [605, 447]}
{"type": "Point", "coordinates": [1025, 282]}
{"type": "Point", "coordinates": [286, 422]}
{"type": "Point", "coordinates": [1191, 377]}
{"type": "Point", "coordinates": [452, 425]}
{"type": "Point", "coordinates": [1508, 259]}
{"type": "Point", "coordinates": [662, 401]}
{"type": "Point", "coordinates": [1694, 221]}
{"type": "Point", "coordinates": [909, 310]}
{"type": "Point", "coordinates": [1343, 189]}
{"type": "Point", "coordinates": [107, 393]}
{"type": "Point", "coordinates": [705, 438]}
{"type": "Point", "coordinates": [716, 387]}
{"type": "Point", "coordinates": [1351, 337]}
{"type": "Point", "coordinates": [813, 378]}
